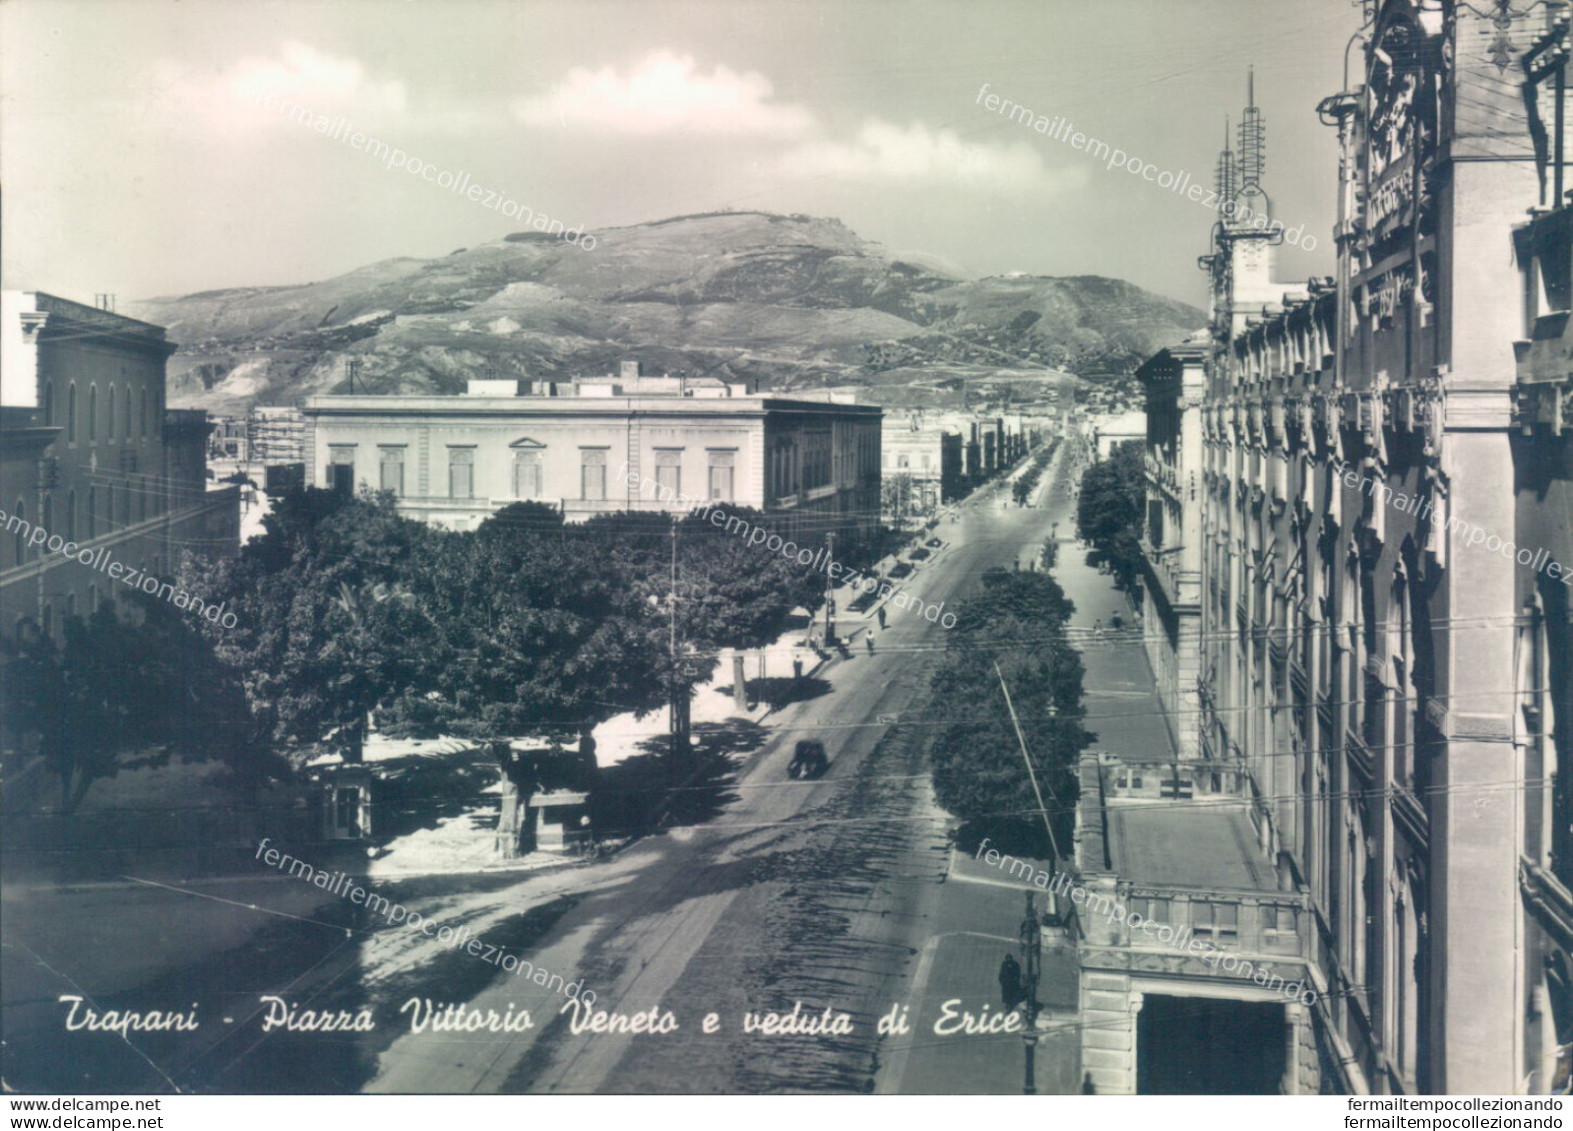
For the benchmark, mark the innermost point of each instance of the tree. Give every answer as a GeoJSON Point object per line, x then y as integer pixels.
{"type": "Point", "coordinates": [1017, 621]}
{"type": "Point", "coordinates": [729, 593]}
{"type": "Point", "coordinates": [1110, 511]}
{"type": "Point", "coordinates": [895, 497]}
{"type": "Point", "coordinates": [319, 640]}
{"type": "Point", "coordinates": [146, 684]}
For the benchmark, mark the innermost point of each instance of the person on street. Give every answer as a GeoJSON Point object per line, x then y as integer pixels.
{"type": "Point", "coordinates": [882, 618]}
{"type": "Point", "coordinates": [1011, 994]}
{"type": "Point", "coordinates": [869, 640]}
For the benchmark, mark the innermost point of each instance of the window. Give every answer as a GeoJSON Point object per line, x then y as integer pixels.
{"type": "Point", "coordinates": [92, 512]}
{"type": "Point", "coordinates": [902, 462]}
{"type": "Point", "coordinates": [49, 619]}
{"type": "Point", "coordinates": [461, 473]}
{"type": "Point", "coordinates": [109, 420]}
{"type": "Point", "coordinates": [592, 473]}
{"type": "Point", "coordinates": [92, 598]}
{"type": "Point", "coordinates": [92, 414]}
{"type": "Point", "coordinates": [528, 480]}
{"type": "Point", "coordinates": [49, 404]}
{"type": "Point", "coordinates": [391, 460]}
{"type": "Point", "coordinates": [668, 474]}
{"type": "Point", "coordinates": [1218, 921]}
{"type": "Point", "coordinates": [1281, 918]}
{"type": "Point", "coordinates": [71, 515]}
{"type": "Point", "coordinates": [341, 469]}
{"type": "Point", "coordinates": [1151, 910]}
{"type": "Point", "coordinates": [19, 546]}
{"type": "Point", "coordinates": [71, 414]}
{"type": "Point", "coordinates": [142, 412]}
{"type": "Point", "coordinates": [721, 471]}
{"type": "Point", "coordinates": [125, 415]}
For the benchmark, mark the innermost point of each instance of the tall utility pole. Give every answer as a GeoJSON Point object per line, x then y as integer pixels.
{"type": "Point", "coordinates": [830, 600]}
{"type": "Point", "coordinates": [1032, 775]}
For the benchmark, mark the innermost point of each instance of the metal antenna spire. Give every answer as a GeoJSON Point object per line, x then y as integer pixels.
{"type": "Point", "coordinates": [1252, 162]}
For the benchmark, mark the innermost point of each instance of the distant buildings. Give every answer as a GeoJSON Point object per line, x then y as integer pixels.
{"type": "Point", "coordinates": [276, 434]}
{"type": "Point", "coordinates": [90, 455]}
{"type": "Point", "coordinates": [593, 447]}
{"type": "Point", "coordinates": [926, 455]}
{"type": "Point", "coordinates": [1105, 433]}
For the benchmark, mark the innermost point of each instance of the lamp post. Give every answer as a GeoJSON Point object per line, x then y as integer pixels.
{"type": "Point", "coordinates": [1031, 947]}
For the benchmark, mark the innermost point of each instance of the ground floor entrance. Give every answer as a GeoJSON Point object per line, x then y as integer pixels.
{"type": "Point", "coordinates": [1209, 1046]}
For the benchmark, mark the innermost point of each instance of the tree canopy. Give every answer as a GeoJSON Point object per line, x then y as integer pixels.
{"type": "Point", "coordinates": [1018, 622]}
{"type": "Point", "coordinates": [1111, 510]}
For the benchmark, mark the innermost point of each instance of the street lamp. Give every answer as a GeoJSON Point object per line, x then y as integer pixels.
{"type": "Point", "coordinates": [1031, 950]}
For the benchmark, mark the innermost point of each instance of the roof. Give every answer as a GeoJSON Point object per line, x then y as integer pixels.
{"type": "Point", "coordinates": [1187, 845]}
{"type": "Point", "coordinates": [423, 405]}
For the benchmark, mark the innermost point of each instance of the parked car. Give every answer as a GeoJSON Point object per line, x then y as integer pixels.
{"type": "Point", "coordinates": [934, 543]}
{"type": "Point", "coordinates": [808, 759]}
{"type": "Point", "coordinates": [900, 569]}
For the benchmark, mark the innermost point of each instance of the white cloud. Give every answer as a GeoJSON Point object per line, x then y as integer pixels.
{"type": "Point", "coordinates": [665, 93]}
{"type": "Point", "coordinates": [883, 152]}
{"type": "Point", "coordinates": [310, 76]}
{"type": "Point", "coordinates": [228, 99]}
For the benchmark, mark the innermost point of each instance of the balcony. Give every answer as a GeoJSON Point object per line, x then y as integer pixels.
{"type": "Point", "coordinates": [1545, 360]}
{"type": "Point", "coordinates": [1219, 890]}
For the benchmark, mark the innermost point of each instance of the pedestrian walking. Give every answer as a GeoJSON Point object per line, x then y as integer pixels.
{"type": "Point", "coordinates": [1011, 993]}
{"type": "Point", "coordinates": [869, 640]}
{"type": "Point", "coordinates": [882, 618]}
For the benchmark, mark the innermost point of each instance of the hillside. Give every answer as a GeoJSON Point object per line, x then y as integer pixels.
{"type": "Point", "coordinates": [783, 301]}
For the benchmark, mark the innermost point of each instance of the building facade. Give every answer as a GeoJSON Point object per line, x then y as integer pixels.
{"type": "Point", "coordinates": [926, 456]}
{"type": "Point", "coordinates": [91, 455]}
{"type": "Point", "coordinates": [1175, 381]}
{"type": "Point", "coordinates": [1543, 719]}
{"type": "Point", "coordinates": [1391, 689]}
{"type": "Point", "coordinates": [595, 448]}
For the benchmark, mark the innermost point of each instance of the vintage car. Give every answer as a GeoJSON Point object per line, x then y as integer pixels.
{"type": "Point", "coordinates": [808, 759]}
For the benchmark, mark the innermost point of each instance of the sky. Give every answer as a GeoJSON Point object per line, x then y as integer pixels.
{"type": "Point", "coordinates": [146, 147]}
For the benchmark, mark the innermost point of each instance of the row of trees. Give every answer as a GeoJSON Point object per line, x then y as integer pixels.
{"type": "Point", "coordinates": [347, 611]}
{"type": "Point", "coordinates": [1111, 509]}
{"type": "Point", "coordinates": [1013, 632]}
{"type": "Point", "coordinates": [1027, 483]}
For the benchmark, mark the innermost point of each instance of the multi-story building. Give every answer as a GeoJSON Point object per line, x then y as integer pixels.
{"type": "Point", "coordinates": [1175, 381]}
{"type": "Point", "coordinates": [1389, 689]}
{"type": "Point", "coordinates": [276, 434]}
{"type": "Point", "coordinates": [91, 455]}
{"type": "Point", "coordinates": [1543, 718]}
{"type": "Point", "coordinates": [227, 441]}
{"type": "Point", "coordinates": [595, 447]}
{"type": "Point", "coordinates": [926, 455]}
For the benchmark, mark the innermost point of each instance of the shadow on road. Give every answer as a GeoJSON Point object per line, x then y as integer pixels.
{"type": "Point", "coordinates": [777, 692]}
{"type": "Point", "coordinates": [652, 789]}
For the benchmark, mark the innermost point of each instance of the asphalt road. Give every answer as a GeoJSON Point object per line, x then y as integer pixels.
{"type": "Point", "coordinates": [821, 893]}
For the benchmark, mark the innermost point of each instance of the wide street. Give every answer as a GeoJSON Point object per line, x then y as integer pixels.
{"type": "Point", "coordinates": [839, 894]}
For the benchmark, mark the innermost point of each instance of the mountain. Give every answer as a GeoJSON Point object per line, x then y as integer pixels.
{"type": "Point", "coordinates": [787, 302]}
